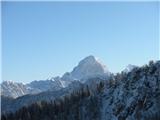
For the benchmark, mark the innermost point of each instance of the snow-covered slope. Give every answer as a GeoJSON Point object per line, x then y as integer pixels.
{"type": "Point", "coordinates": [134, 95]}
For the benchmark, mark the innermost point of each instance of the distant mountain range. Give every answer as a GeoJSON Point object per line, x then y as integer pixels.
{"type": "Point", "coordinates": [87, 68]}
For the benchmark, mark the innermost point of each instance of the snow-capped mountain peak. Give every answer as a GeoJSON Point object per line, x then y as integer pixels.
{"type": "Point", "coordinates": [89, 66]}
{"type": "Point", "coordinates": [88, 59]}
{"type": "Point", "coordinates": [91, 60]}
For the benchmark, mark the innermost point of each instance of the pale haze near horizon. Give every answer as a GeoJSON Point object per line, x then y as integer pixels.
{"type": "Point", "coordinates": [47, 39]}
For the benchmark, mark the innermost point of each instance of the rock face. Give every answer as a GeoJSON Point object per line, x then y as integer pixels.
{"type": "Point", "coordinates": [13, 89]}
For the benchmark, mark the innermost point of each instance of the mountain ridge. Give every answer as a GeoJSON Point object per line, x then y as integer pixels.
{"type": "Point", "coordinates": [88, 67]}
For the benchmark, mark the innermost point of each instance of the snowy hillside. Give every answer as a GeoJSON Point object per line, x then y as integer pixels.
{"type": "Point", "coordinates": [133, 96]}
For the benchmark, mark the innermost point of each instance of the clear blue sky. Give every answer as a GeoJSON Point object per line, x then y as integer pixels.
{"type": "Point", "coordinates": [44, 39]}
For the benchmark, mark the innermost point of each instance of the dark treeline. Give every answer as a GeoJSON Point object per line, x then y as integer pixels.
{"type": "Point", "coordinates": [79, 105]}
